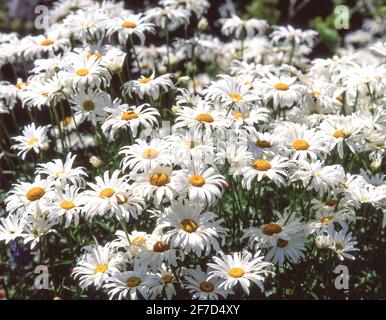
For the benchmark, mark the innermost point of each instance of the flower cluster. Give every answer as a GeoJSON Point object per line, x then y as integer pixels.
{"type": "Point", "coordinates": [204, 182]}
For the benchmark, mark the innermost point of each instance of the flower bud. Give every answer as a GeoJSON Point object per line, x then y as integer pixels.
{"type": "Point", "coordinates": [96, 161]}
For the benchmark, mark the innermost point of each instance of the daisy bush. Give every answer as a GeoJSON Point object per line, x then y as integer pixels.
{"type": "Point", "coordinates": [154, 154]}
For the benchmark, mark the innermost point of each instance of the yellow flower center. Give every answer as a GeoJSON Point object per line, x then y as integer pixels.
{"type": "Point", "coordinates": [67, 205]}
{"type": "Point", "coordinates": [101, 268]}
{"type": "Point", "coordinates": [139, 241]}
{"type": "Point", "coordinates": [191, 144]}
{"type": "Point", "coordinates": [281, 86]}
{"type": "Point", "coordinates": [35, 193]}
{"type": "Point", "coordinates": [338, 134]}
{"type": "Point", "coordinates": [235, 96]}
{"type": "Point", "coordinates": [300, 145]}
{"type": "Point", "coordinates": [150, 153]}
{"type": "Point", "coordinates": [261, 165]}
{"type": "Point", "coordinates": [33, 141]}
{"type": "Point", "coordinates": [189, 225]}
{"type": "Point", "coordinates": [159, 179]}
{"type": "Point", "coordinates": [47, 42]}
{"type": "Point", "coordinates": [20, 85]}
{"type": "Point", "coordinates": [272, 228]}
{"type": "Point", "coordinates": [204, 117]}
{"type": "Point", "coordinates": [160, 246]}
{"type": "Point", "coordinates": [338, 246]}
{"type": "Point", "coordinates": [206, 286]}
{"type": "Point", "coordinates": [197, 181]}
{"type": "Point", "coordinates": [240, 115]}
{"type": "Point", "coordinates": [82, 72]}
{"type": "Point", "coordinates": [121, 199]}
{"type": "Point", "coordinates": [145, 80]}
{"type": "Point", "coordinates": [167, 278]}
{"type": "Point", "coordinates": [281, 243]}
{"type": "Point", "coordinates": [315, 93]}
{"type": "Point", "coordinates": [67, 120]}
{"type": "Point", "coordinates": [326, 219]}
{"type": "Point", "coordinates": [129, 25]}
{"type": "Point", "coordinates": [88, 105]}
{"type": "Point", "coordinates": [133, 282]}
{"type": "Point", "coordinates": [107, 193]}
{"type": "Point", "coordinates": [263, 144]}
{"type": "Point", "coordinates": [339, 98]}
{"type": "Point", "coordinates": [331, 202]}
{"type": "Point", "coordinates": [129, 116]}
{"type": "Point", "coordinates": [236, 272]}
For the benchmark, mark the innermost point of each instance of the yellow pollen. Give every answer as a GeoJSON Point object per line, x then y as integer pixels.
{"type": "Point", "coordinates": [189, 225]}
{"type": "Point", "coordinates": [206, 286]}
{"type": "Point", "coordinates": [331, 202]}
{"type": "Point", "coordinates": [160, 246]}
{"type": "Point", "coordinates": [101, 268]}
{"type": "Point", "coordinates": [339, 98]}
{"type": "Point", "coordinates": [263, 144]}
{"type": "Point", "coordinates": [167, 278]}
{"type": "Point", "coordinates": [261, 165]}
{"type": "Point", "coordinates": [300, 145]}
{"type": "Point", "coordinates": [67, 120]}
{"type": "Point", "coordinates": [47, 42]}
{"type": "Point", "coordinates": [129, 116]}
{"type": "Point", "coordinates": [129, 25]}
{"type": "Point", "coordinates": [240, 115]}
{"type": "Point", "coordinates": [197, 181]}
{"type": "Point", "coordinates": [191, 144]}
{"type": "Point", "coordinates": [88, 105]}
{"type": "Point", "coordinates": [338, 134]}
{"type": "Point", "coordinates": [67, 205]}
{"type": "Point", "coordinates": [204, 117]}
{"type": "Point", "coordinates": [326, 219]}
{"type": "Point", "coordinates": [145, 80]}
{"type": "Point", "coordinates": [138, 241]}
{"type": "Point", "coordinates": [159, 179]}
{"type": "Point", "coordinates": [338, 246]}
{"type": "Point", "coordinates": [82, 72]}
{"type": "Point", "coordinates": [271, 228]}
{"type": "Point", "coordinates": [236, 272]}
{"type": "Point", "coordinates": [35, 193]}
{"type": "Point", "coordinates": [281, 86]}
{"type": "Point", "coordinates": [133, 282]}
{"type": "Point", "coordinates": [281, 243]}
{"type": "Point", "coordinates": [150, 153]}
{"type": "Point", "coordinates": [107, 193]}
{"type": "Point", "coordinates": [33, 141]}
{"type": "Point", "coordinates": [235, 96]}
{"type": "Point", "coordinates": [20, 85]}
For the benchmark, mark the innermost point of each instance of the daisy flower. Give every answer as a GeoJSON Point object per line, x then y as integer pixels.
{"type": "Point", "coordinates": [192, 231]}
{"type": "Point", "coordinates": [27, 195]}
{"type": "Point", "coordinates": [96, 265]}
{"type": "Point", "coordinates": [32, 138]}
{"type": "Point", "coordinates": [283, 91]}
{"type": "Point", "coordinates": [133, 242]}
{"type": "Point", "coordinates": [11, 228]}
{"type": "Point", "coordinates": [65, 203]}
{"type": "Point", "coordinates": [240, 268]}
{"type": "Point", "coordinates": [156, 183]}
{"type": "Point", "coordinates": [196, 281]}
{"type": "Point", "coordinates": [130, 284]}
{"type": "Point", "coordinates": [304, 143]}
{"type": "Point", "coordinates": [232, 92]}
{"type": "Point", "coordinates": [145, 156]}
{"type": "Point", "coordinates": [128, 26]}
{"type": "Point", "coordinates": [342, 243]}
{"type": "Point", "coordinates": [273, 169]}
{"type": "Point", "coordinates": [106, 194]}
{"type": "Point", "coordinates": [89, 104]}
{"type": "Point", "coordinates": [201, 184]}
{"type": "Point", "coordinates": [199, 7]}
{"type": "Point", "coordinates": [63, 172]}
{"type": "Point", "coordinates": [168, 16]}
{"type": "Point", "coordinates": [150, 86]}
{"type": "Point", "coordinates": [157, 250]}
{"type": "Point", "coordinates": [263, 144]}
{"type": "Point", "coordinates": [201, 117]}
{"type": "Point", "coordinates": [37, 225]}
{"type": "Point", "coordinates": [130, 117]}
{"type": "Point", "coordinates": [250, 118]}
{"type": "Point", "coordinates": [36, 46]}
{"type": "Point", "coordinates": [288, 35]}
{"type": "Point", "coordinates": [165, 284]}
{"type": "Point", "coordinates": [84, 71]}
{"type": "Point", "coordinates": [243, 28]}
